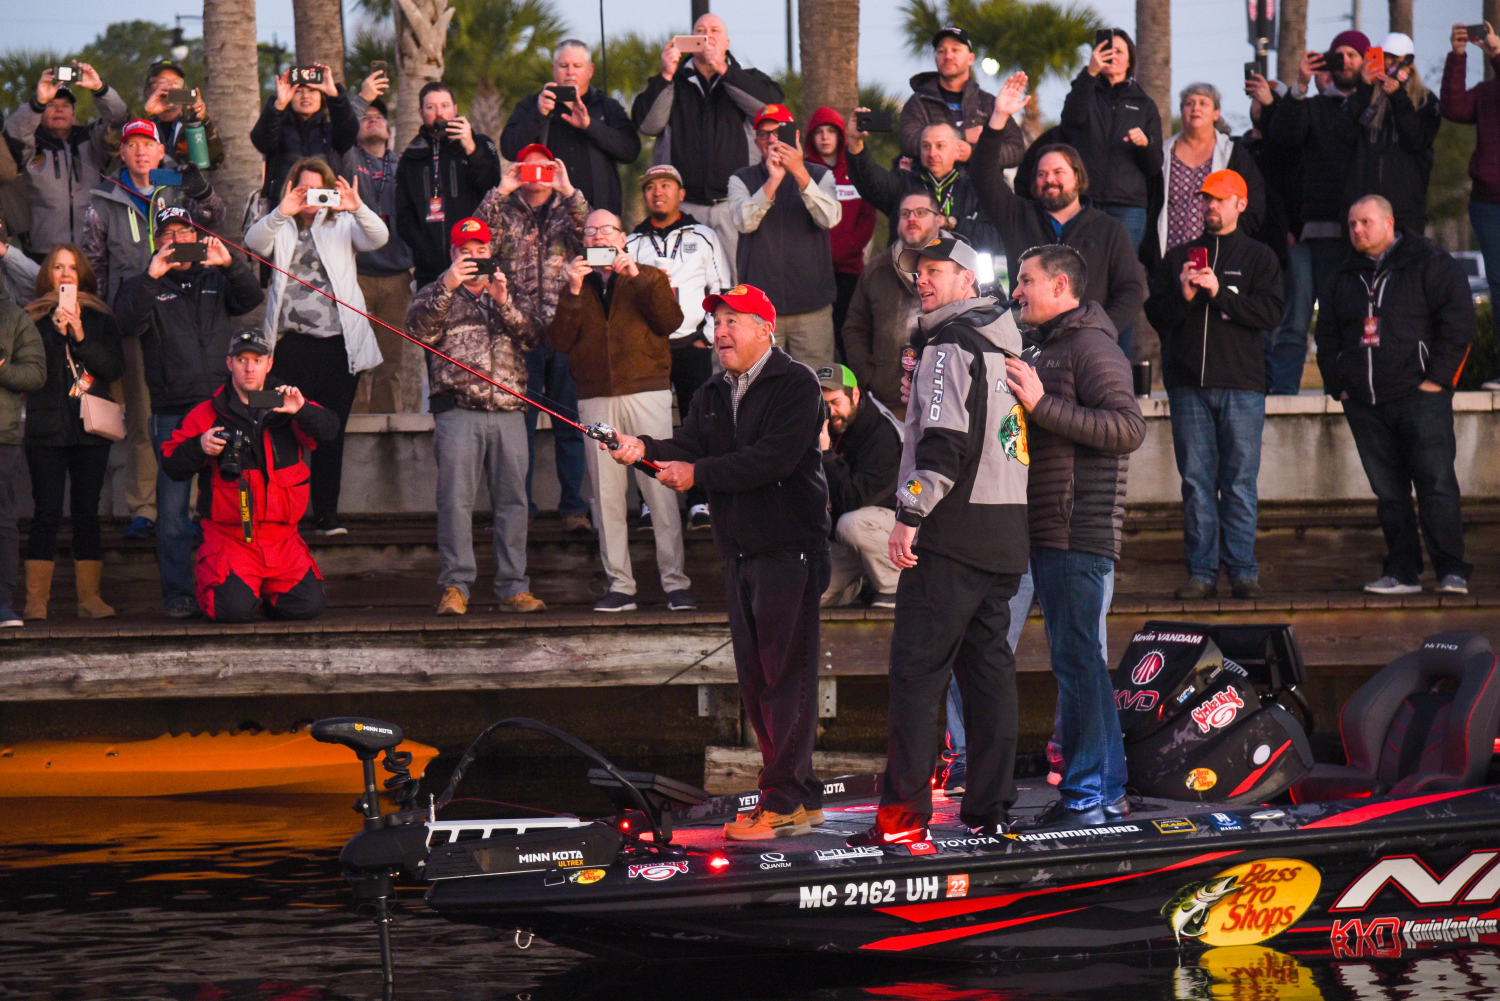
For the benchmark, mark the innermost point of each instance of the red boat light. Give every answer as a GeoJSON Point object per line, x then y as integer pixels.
{"type": "Point", "coordinates": [646, 836]}
{"type": "Point", "coordinates": [718, 863]}
{"type": "Point", "coordinates": [624, 825]}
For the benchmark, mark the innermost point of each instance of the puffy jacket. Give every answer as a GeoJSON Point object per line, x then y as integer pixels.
{"type": "Point", "coordinates": [886, 188]}
{"type": "Point", "coordinates": [61, 172]}
{"type": "Point", "coordinates": [703, 128]}
{"type": "Point", "coordinates": [928, 105]}
{"type": "Point", "coordinates": [183, 321]}
{"type": "Point", "coordinates": [593, 155]}
{"type": "Point", "coordinates": [862, 464]}
{"type": "Point", "coordinates": [965, 455]}
{"type": "Point", "coordinates": [275, 471]}
{"type": "Point", "coordinates": [1322, 130]}
{"type": "Point", "coordinates": [117, 236]}
{"type": "Point", "coordinates": [52, 415]}
{"type": "Point", "coordinates": [489, 339]}
{"type": "Point", "coordinates": [1096, 118]}
{"type": "Point", "coordinates": [284, 137]}
{"type": "Point", "coordinates": [23, 366]}
{"type": "Point", "coordinates": [1480, 106]}
{"type": "Point", "coordinates": [1426, 323]}
{"type": "Point", "coordinates": [763, 470]}
{"type": "Point", "coordinates": [857, 223]}
{"type": "Point", "coordinates": [1394, 159]}
{"type": "Point", "coordinates": [1081, 434]}
{"type": "Point", "coordinates": [1217, 342]}
{"type": "Point", "coordinates": [1229, 154]}
{"type": "Point", "coordinates": [535, 255]}
{"type": "Point", "coordinates": [463, 182]}
{"type": "Point", "coordinates": [878, 328]}
{"type": "Point", "coordinates": [693, 258]}
{"type": "Point", "coordinates": [621, 349]}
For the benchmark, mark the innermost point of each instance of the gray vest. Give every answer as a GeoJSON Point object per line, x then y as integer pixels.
{"type": "Point", "coordinates": [789, 256]}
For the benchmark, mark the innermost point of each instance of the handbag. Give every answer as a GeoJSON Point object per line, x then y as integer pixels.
{"type": "Point", "coordinates": [102, 417]}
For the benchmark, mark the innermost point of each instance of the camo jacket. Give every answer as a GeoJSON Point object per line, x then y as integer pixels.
{"type": "Point", "coordinates": [533, 252]}
{"type": "Point", "coordinates": [472, 330]}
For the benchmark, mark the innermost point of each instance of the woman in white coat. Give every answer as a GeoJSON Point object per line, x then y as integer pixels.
{"type": "Point", "coordinates": [320, 346]}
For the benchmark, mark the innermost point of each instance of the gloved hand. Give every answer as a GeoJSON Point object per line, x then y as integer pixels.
{"type": "Point", "coordinates": [194, 184]}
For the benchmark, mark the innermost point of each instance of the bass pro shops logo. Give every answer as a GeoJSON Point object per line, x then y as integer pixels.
{"type": "Point", "coordinates": [1013, 435]}
{"type": "Point", "coordinates": [1244, 905]}
{"type": "Point", "coordinates": [1219, 711]}
{"type": "Point", "coordinates": [1149, 667]}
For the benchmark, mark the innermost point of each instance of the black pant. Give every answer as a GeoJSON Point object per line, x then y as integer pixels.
{"type": "Point", "coordinates": [1404, 443]}
{"type": "Point", "coordinates": [773, 618]}
{"type": "Point", "coordinates": [951, 619]}
{"type": "Point", "coordinates": [51, 469]}
{"type": "Point", "coordinates": [234, 601]}
{"type": "Point", "coordinates": [845, 284]}
{"type": "Point", "coordinates": [10, 504]}
{"type": "Point", "coordinates": [319, 366]}
{"type": "Point", "coordinates": [691, 367]}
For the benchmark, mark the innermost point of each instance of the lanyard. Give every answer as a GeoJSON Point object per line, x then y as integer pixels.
{"type": "Point", "coordinates": [662, 252]}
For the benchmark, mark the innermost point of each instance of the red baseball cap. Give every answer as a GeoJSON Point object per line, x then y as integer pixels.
{"type": "Point", "coordinates": [534, 148]}
{"type": "Point", "coordinates": [139, 127]}
{"type": "Point", "coordinates": [774, 113]}
{"type": "Point", "coordinates": [743, 299]}
{"type": "Point", "coordinates": [469, 229]}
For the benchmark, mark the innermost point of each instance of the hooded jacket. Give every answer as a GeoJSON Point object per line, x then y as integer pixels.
{"type": "Point", "coordinates": [621, 348]}
{"type": "Point", "coordinates": [1229, 154]}
{"type": "Point", "coordinates": [60, 173]}
{"type": "Point", "coordinates": [965, 455]}
{"type": "Point", "coordinates": [535, 252]}
{"type": "Point", "coordinates": [862, 463]}
{"type": "Point", "coordinates": [23, 366]}
{"type": "Point", "coordinates": [1420, 298]}
{"type": "Point", "coordinates": [1478, 106]}
{"type": "Point", "coordinates": [1081, 433]}
{"type": "Point", "coordinates": [857, 224]}
{"type": "Point", "coordinates": [928, 105]}
{"type": "Point", "coordinates": [1394, 159]}
{"type": "Point", "coordinates": [462, 182]}
{"type": "Point", "coordinates": [704, 128]}
{"type": "Point", "coordinates": [1216, 342]}
{"type": "Point", "coordinates": [284, 137]}
{"type": "Point", "coordinates": [1097, 117]}
{"type": "Point", "coordinates": [487, 338]}
{"type": "Point", "coordinates": [53, 417]}
{"type": "Point", "coordinates": [693, 258]}
{"type": "Point", "coordinates": [878, 326]}
{"type": "Point", "coordinates": [118, 238]}
{"type": "Point", "coordinates": [593, 155]}
{"type": "Point", "coordinates": [886, 188]}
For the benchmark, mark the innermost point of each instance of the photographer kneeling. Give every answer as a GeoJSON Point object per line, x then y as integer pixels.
{"type": "Point", "coordinates": [251, 550]}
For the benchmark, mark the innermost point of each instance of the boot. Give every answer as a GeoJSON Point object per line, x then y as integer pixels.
{"type": "Point", "coordinates": [90, 606]}
{"type": "Point", "coordinates": [38, 588]}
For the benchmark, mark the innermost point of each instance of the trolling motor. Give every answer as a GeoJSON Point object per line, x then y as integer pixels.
{"type": "Point", "coordinates": [602, 432]}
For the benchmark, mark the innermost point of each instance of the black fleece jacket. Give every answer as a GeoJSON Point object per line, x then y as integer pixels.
{"type": "Point", "coordinates": [885, 188]}
{"type": "Point", "coordinates": [463, 181]}
{"type": "Point", "coordinates": [284, 137]}
{"type": "Point", "coordinates": [764, 471]}
{"type": "Point", "coordinates": [862, 466]}
{"type": "Point", "coordinates": [593, 155]}
{"type": "Point", "coordinates": [1096, 118]}
{"type": "Point", "coordinates": [1395, 159]}
{"type": "Point", "coordinates": [1421, 299]}
{"type": "Point", "coordinates": [1216, 342]}
{"type": "Point", "coordinates": [1323, 130]}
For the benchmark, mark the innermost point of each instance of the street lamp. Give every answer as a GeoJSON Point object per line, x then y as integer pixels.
{"type": "Point", "coordinates": [180, 48]}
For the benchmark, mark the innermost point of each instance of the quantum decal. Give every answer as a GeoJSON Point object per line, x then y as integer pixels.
{"type": "Point", "coordinates": [1245, 905]}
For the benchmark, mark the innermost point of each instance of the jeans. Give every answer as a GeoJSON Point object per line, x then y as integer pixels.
{"type": "Point", "coordinates": [1485, 218]}
{"type": "Point", "coordinates": [1216, 437]}
{"type": "Point", "coordinates": [469, 444]}
{"type": "Point", "coordinates": [1404, 443]}
{"type": "Point", "coordinates": [1072, 588]}
{"type": "Point", "coordinates": [52, 467]}
{"type": "Point", "coordinates": [1286, 347]}
{"type": "Point", "coordinates": [176, 535]}
{"type": "Point", "coordinates": [549, 381]}
{"type": "Point", "coordinates": [1133, 218]}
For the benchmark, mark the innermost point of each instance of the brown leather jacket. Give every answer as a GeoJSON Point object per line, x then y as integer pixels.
{"type": "Point", "coordinates": [626, 352]}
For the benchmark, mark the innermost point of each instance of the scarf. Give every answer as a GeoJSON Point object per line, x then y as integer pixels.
{"type": "Point", "coordinates": [41, 307]}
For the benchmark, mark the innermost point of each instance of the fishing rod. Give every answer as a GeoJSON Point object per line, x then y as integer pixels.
{"type": "Point", "coordinates": [598, 431]}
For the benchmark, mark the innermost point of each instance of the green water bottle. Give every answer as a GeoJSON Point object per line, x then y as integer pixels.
{"type": "Point", "coordinates": [197, 142]}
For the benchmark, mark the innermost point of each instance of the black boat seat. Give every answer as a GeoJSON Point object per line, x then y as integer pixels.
{"type": "Point", "coordinates": [1425, 723]}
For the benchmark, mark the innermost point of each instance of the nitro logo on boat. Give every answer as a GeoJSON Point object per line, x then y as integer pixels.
{"type": "Point", "coordinates": [1245, 905]}
{"type": "Point", "coordinates": [1219, 711]}
{"type": "Point", "coordinates": [1192, 639]}
{"type": "Point", "coordinates": [658, 871]}
{"type": "Point", "coordinates": [1421, 885]}
{"type": "Point", "coordinates": [569, 855]}
{"type": "Point", "coordinates": [1149, 667]}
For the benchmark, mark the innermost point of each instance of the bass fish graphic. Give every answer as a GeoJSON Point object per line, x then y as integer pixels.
{"type": "Point", "coordinates": [1013, 435]}
{"type": "Point", "coordinates": [1187, 911]}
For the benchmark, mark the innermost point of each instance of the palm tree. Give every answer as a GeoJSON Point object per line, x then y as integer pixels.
{"type": "Point", "coordinates": [499, 51]}
{"type": "Point", "coordinates": [1291, 40]}
{"type": "Point", "coordinates": [421, 38]}
{"type": "Point", "coordinates": [1401, 16]}
{"type": "Point", "coordinates": [320, 34]}
{"type": "Point", "coordinates": [231, 88]}
{"type": "Point", "coordinates": [829, 35]}
{"type": "Point", "coordinates": [633, 60]}
{"type": "Point", "coordinates": [1153, 53]}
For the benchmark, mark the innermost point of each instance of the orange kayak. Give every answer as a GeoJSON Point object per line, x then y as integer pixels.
{"type": "Point", "coordinates": [187, 764]}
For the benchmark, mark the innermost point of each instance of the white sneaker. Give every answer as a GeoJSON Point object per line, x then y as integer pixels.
{"type": "Point", "coordinates": [1453, 584]}
{"type": "Point", "coordinates": [1492, 385]}
{"type": "Point", "coordinates": [1390, 585]}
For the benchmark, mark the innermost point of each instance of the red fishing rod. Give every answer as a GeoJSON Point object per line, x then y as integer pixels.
{"type": "Point", "coordinates": [599, 431]}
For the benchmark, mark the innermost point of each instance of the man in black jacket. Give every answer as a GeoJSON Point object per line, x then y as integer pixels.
{"type": "Point", "coordinates": [750, 439]}
{"type": "Point", "coordinates": [181, 313]}
{"type": "Point", "coordinates": [303, 120]}
{"type": "Point", "coordinates": [861, 446]}
{"type": "Point", "coordinates": [701, 108]}
{"type": "Point", "coordinates": [1212, 321]}
{"type": "Point", "coordinates": [1400, 320]}
{"type": "Point", "coordinates": [592, 135]}
{"type": "Point", "coordinates": [441, 178]}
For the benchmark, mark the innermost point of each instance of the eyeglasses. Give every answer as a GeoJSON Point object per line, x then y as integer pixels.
{"type": "Point", "coordinates": [606, 230]}
{"type": "Point", "coordinates": [914, 214]}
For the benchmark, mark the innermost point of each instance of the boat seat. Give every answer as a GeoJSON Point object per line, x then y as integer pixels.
{"type": "Point", "coordinates": [365, 737]}
{"type": "Point", "coordinates": [1425, 723]}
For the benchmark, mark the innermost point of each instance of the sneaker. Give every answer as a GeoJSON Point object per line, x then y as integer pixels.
{"type": "Point", "coordinates": [182, 607]}
{"type": "Point", "coordinates": [884, 600]}
{"type": "Point", "coordinates": [523, 602]}
{"type": "Point", "coordinates": [764, 825]}
{"type": "Point", "coordinates": [1452, 583]}
{"type": "Point", "coordinates": [643, 520]}
{"type": "Point", "coordinates": [815, 817]}
{"type": "Point", "coordinates": [698, 518]}
{"type": "Point", "coordinates": [452, 602]}
{"type": "Point", "coordinates": [1247, 587]}
{"type": "Point", "coordinates": [10, 620]}
{"type": "Point", "coordinates": [955, 776]}
{"type": "Point", "coordinates": [330, 525]}
{"type": "Point", "coordinates": [1196, 590]}
{"type": "Point", "coordinates": [681, 601]}
{"type": "Point", "coordinates": [875, 836]}
{"type": "Point", "coordinates": [614, 601]}
{"type": "Point", "coordinates": [140, 529]}
{"type": "Point", "coordinates": [577, 523]}
{"type": "Point", "coordinates": [1390, 585]}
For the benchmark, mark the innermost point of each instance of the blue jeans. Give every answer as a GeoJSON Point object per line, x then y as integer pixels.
{"type": "Point", "coordinates": [176, 535]}
{"type": "Point", "coordinates": [1485, 218]}
{"type": "Point", "coordinates": [1286, 347]}
{"type": "Point", "coordinates": [1133, 218]}
{"type": "Point", "coordinates": [551, 383]}
{"type": "Point", "coordinates": [1074, 590]}
{"type": "Point", "coordinates": [1216, 437]}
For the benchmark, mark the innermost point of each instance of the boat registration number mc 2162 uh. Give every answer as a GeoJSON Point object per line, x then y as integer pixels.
{"type": "Point", "coordinates": [868, 894]}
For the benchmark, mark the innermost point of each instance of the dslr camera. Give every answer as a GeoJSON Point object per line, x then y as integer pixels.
{"type": "Point", "coordinates": [232, 459]}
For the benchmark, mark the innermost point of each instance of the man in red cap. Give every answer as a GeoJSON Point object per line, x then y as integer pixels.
{"type": "Point", "coordinates": [1211, 321]}
{"type": "Point", "coordinates": [750, 439]}
{"type": "Point", "coordinates": [473, 318]}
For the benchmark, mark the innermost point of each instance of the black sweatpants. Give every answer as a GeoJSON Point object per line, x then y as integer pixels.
{"type": "Point", "coordinates": [319, 366]}
{"type": "Point", "coordinates": [11, 461]}
{"type": "Point", "coordinates": [51, 469]}
{"type": "Point", "coordinates": [773, 620]}
{"type": "Point", "coordinates": [692, 366]}
{"type": "Point", "coordinates": [951, 619]}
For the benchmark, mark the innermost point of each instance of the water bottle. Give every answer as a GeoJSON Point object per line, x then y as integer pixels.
{"type": "Point", "coordinates": [197, 143]}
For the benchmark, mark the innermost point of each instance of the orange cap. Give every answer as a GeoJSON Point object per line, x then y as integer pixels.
{"type": "Point", "coordinates": [1223, 183]}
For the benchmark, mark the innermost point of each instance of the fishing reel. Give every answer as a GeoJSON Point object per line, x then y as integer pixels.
{"type": "Point", "coordinates": [602, 432]}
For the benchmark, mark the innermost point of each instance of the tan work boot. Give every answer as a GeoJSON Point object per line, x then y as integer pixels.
{"type": "Point", "coordinates": [523, 602]}
{"type": "Point", "coordinates": [764, 825]}
{"type": "Point", "coordinates": [90, 605]}
{"type": "Point", "coordinates": [453, 602]}
{"type": "Point", "coordinates": [38, 588]}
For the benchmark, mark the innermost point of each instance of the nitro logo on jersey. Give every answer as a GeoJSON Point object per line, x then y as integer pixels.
{"type": "Point", "coordinates": [1219, 711]}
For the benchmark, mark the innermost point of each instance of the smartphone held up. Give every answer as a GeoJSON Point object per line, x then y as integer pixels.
{"type": "Point", "coordinates": [537, 173]}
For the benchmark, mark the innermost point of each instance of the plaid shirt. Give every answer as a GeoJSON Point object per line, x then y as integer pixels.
{"type": "Point", "coordinates": [740, 384]}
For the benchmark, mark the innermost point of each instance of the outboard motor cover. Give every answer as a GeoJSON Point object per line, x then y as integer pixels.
{"type": "Point", "coordinates": [1165, 665]}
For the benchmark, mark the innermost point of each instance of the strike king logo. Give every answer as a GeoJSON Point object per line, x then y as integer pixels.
{"type": "Point", "coordinates": [1245, 905]}
{"type": "Point", "coordinates": [1219, 711]}
{"type": "Point", "coordinates": [657, 871]}
{"type": "Point", "coordinates": [1149, 667]}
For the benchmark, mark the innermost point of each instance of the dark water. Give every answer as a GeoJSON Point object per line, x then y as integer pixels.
{"type": "Point", "coordinates": [220, 900]}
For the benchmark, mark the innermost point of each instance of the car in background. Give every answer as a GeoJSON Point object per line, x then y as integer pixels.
{"type": "Point", "coordinates": [1472, 261]}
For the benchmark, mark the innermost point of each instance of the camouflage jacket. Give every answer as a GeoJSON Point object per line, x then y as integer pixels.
{"type": "Point", "coordinates": [487, 338]}
{"type": "Point", "coordinates": [534, 254]}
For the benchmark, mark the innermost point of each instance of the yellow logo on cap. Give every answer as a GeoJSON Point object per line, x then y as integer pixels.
{"type": "Point", "coordinates": [935, 241]}
{"type": "Point", "coordinates": [739, 290]}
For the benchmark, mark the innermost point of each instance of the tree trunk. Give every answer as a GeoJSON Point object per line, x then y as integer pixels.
{"type": "Point", "coordinates": [1291, 40]}
{"type": "Point", "coordinates": [231, 90]}
{"type": "Point", "coordinates": [829, 35]}
{"type": "Point", "coordinates": [1153, 54]}
{"type": "Point", "coordinates": [1492, 18]}
{"type": "Point", "coordinates": [1031, 117]}
{"type": "Point", "coordinates": [1401, 16]}
{"type": "Point", "coordinates": [320, 34]}
{"type": "Point", "coordinates": [487, 109]}
{"type": "Point", "coordinates": [421, 34]}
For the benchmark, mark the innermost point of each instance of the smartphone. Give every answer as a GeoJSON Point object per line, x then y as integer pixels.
{"type": "Point", "coordinates": [326, 197]}
{"type": "Point", "coordinates": [188, 253]}
{"type": "Point", "coordinates": [64, 74]}
{"type": "Point", "coordinates": [1375, 57]}
{"type": "Point", "coordinates": [182, 95]}
{"type": "Point", "coordinates": [876, 121]}
{"type": "Point", "coordinates": [565, 93]}
{"type": "Point", "coordinates": [690, 43]}
{"type": "Point", "coordinates": [787, 132]}
{"type": "Point", "coordinates": [306, 75]}
{"type": "Point", "coordinates": [163, 178]}
{"type": "Point", "coordinates": [600, 257]}
{"type": "Point", "coordinates": [1102, 35]}
{"type": "Point", "coordinates": [1333, 62]}
{"type": "Point", "coordinates": [1251, 69]}
{"type": "Point", "coordinates": [1404, 62]}
{"type": "Point", "coordinates": [67, 298]}
{"type": "Point", "coordinates": [536, 173]}
{"type": "Point", "coordinates": [263, 399]}
{"type": "Point", "coordinates": [1198, 257]}
{"type": "Point", "coordinates": [380, 66]}
{"type": "Point", "coordinates": [485, 265]}
{"type": "Point", "coordinates": [1477, 32]}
